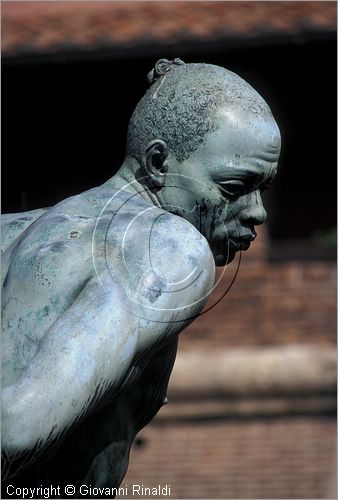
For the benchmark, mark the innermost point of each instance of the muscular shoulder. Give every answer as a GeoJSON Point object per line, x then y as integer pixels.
{"type": "Point", "coordinates": [13, 225]}
{"type": "Point", "coordinates": [167, 265]}
{"type": "Point", "coordinates": [176, 247]}
{"type": "Point", "coordinates": [51, 254]}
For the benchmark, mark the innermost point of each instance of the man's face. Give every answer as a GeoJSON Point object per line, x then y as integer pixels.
{"type": "Point", "coordinates": [218, 188]}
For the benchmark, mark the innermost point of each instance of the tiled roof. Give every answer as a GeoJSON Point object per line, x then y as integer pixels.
{"type": "Point", "coordinates": [44, 27]}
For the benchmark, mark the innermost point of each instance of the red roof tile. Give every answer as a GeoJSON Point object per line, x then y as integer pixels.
{"type": "Point", "coordinates": [49, 26]}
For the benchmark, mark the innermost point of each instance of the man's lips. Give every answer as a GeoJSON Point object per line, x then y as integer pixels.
{"type": "Point", "coordinates": [242, 242]}
{"type": "Point", "coordinates": [233, 244]}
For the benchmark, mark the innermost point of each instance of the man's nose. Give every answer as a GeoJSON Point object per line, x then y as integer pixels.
{"type": "Point", "coordinates": [254, 212]}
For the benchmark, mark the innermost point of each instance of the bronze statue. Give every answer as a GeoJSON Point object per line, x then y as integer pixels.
{"type": "Point", "coordinates": [97, 288]}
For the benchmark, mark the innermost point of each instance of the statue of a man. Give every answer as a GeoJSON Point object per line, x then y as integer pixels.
{"type": "Point", "coordinates": [97, 288]}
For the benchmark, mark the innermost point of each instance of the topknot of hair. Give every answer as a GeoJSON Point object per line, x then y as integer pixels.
{"type": "Point", "coordinates": [161, 67]}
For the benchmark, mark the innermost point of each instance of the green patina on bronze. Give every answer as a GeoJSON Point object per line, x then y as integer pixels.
{"type": "Point", "coordinates": [97, 288]}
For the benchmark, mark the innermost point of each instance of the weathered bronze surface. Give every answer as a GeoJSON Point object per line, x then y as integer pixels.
{"type": "Point", "coordinates": [97, 288]}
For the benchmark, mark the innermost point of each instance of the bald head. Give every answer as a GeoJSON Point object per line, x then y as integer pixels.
{"type": "Point", "coordinates": [181, 106]}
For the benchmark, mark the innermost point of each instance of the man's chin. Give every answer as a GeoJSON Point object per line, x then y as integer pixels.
{"type": "Point", "coordinates": [222, 260]}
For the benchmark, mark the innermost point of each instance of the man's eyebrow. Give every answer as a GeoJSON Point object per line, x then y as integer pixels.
{"type": "Point", "coordinates": [255, 179]}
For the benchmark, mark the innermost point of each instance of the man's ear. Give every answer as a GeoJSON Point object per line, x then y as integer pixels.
{"type": "Point", "coordinates": [155, 162]}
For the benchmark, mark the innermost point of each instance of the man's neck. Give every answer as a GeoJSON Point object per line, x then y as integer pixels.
{"type": "Point", "coordinates": [129, 179]}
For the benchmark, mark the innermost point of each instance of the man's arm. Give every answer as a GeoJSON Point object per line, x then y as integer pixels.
{"type": "Point", "coordinates": [84, 353]}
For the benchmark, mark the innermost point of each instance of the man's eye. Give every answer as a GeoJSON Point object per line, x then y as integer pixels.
{"type": "Point", "coordinates": [232, 188]}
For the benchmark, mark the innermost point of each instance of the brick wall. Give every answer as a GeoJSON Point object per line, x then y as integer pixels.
{"type": "Point", "coordinates": [269, 304]}
{"type": "Point", "coordinates": [277, 458]}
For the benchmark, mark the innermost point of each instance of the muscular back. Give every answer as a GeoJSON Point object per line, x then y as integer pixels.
{"type": "Point", "coordinates": [87, 235]}
{"type": "Point", "coordinates": [95, 288]}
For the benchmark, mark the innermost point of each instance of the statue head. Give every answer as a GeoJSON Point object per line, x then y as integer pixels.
{"type": "Point", "coordinates": [207, 145]}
